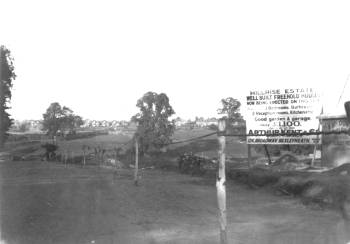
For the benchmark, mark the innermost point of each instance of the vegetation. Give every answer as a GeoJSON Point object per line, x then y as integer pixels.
{"type": "Point", "coordinates": [50, 151]}
{"type": "Point", "coordinates": [7, 75]}
{"type": "Point", "coordinates": [154, 128]}
{"type": "Point", "coordinates": [230, 109]}
{"type": "Point", "coordinates": [60, 119]}
{"type": "Point", "coordinates": [327, 189]}
{"type": "Point", "coordinates": [23, 126]}
{"type": "Point", "coordinates": [235, 124]}
{"type": "Point", "coordinates": [191, 164]}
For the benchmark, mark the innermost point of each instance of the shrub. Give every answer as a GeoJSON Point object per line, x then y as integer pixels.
{"type": "Point", "coordinates": [191, 164]}
{"type": "Point", "coordinates": [50, 150]}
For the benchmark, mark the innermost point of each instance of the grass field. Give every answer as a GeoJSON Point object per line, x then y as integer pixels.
{"type": "Point", "coordinates": [206, 147]}
{"type": "Point", "coordinates": [48, 203]}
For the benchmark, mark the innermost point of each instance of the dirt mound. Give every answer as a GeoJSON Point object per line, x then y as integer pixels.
{"type": "Point", "coordinates": [286, 158]}
{"type": "Point", "coordinates": [325, 190]}
{"type": "Point", "coordinates": [343, 169]}
{"type": "Point", "coordinates": [286, 162]}
{"type": "Point", "coordinates": [254, 177]}
{"type": "Point", "coordinates": [292, 185]}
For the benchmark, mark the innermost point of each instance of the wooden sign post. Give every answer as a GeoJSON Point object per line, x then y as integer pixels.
{"type": "Point", "coordinates": [316, 142]}
{"type": "Point", "coordinates": [267, 154]}
{"type": "Point", "coordinates": [136, 162]}
{"type": "Point", "coordinates": [221, 181]}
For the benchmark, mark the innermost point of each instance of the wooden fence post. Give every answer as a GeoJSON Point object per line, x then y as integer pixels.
{"type": "Point", "coordinates": [267, 154]}
{"type": "Point", "coordinates": [316, 142]}
{"type": "Point", "coordinates": [136, 161]}
{"type": "Point", "coordinates": [65, 158]}
{"type": "Point", "coordinates": [221, 181]}
{"type": "Point", "coordinates": [84, 156]}
{"type": "Point", "coordinates": [116, 150]}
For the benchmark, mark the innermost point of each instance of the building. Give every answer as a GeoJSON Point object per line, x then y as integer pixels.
{"type": "Point", "coordinates": [335, 147]}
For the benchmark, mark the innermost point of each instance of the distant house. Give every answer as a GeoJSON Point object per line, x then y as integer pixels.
{"type": "Point", "coordinates": [35, 125]}
{"type": "Point", "coordinates": [123, 123]}
{"type": "Point", "coordinates": [86, 124]}
{"type": "Point", "coordinates": [180, 122]}
{"type": "Point", "coordinates": [212, 121]}
{"type": "Point", "coordinates": [189, 125]}
{"type": "Point", "coordinates": [206, 122]}
{"type": "Point", "coordinates": [104, 123]}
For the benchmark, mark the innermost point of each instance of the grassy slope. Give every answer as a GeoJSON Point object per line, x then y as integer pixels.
{"type": "Point", "coordinates": [49, 203]}
{"type": "Point", "coordinates": [207, 147]}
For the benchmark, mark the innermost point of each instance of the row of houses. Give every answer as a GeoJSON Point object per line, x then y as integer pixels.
{"type": "Point", "coordinates": [36, 125]}
{"type": "Point", "coordinates": [105, 123]}
{"type": "Point", "coordinates": [180, 123]}
{"type": "Point", "coordinates": [27, 125]}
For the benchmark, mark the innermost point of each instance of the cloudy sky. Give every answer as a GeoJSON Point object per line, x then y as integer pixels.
{"type": "Point", "coordinates": [99, 57]}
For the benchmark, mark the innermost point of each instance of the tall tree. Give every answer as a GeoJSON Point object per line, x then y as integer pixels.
{"type": "Point", "coordinates": [7, 75]}
{"type": "Point", "coordinates": [154, 128]}
{"type": "Point", "coordinates": [230, 109]}
{"type": "Point", "coordinates": [59, 118]}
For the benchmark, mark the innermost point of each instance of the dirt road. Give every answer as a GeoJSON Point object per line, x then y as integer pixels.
{"type": "Point", "coordinates": [43, 203]}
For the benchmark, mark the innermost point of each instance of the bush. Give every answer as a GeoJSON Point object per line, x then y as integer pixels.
{"type": "Point", "coordinates": [191, 164]}
{"type": "Point", "coordinates": [50, 151]}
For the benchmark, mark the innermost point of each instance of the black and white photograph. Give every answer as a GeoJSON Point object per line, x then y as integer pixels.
{"type": "Point", "coordinates": [174, 122]}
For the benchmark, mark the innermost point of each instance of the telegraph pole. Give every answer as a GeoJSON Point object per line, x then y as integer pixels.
{"type": "Point", "coordinates": [136, 176]}
{"type": "Point", "coordinates": [1, 99]}
{"type": "Point", "coordinates": [221, 182]}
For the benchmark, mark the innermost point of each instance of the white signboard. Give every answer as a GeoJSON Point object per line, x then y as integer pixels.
{"type": "Point", "coordinates": [278, 116]}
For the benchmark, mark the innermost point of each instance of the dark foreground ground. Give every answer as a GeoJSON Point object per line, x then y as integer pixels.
{"type": "Point", "coordinates": [43, 203]}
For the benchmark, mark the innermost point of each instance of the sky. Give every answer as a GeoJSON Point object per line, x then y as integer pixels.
{"type": "Point", "coordinates": [99, 57]}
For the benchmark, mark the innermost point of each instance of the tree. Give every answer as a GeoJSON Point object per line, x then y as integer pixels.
{"type": "Point", "coordinates": [23, 126]}
{"type": "Point", "coordinates": [230, 107]}
{"type": "Point", "coordinates": [235, 123]}
{"type": "Point", "coordinates": [59, 118]}
{"type": "Point", "coordinates": [7, 75]}
{"type": "Point", "coordinates": [70, 121]}
{"type": "Point", "coordinates": [154, 128]}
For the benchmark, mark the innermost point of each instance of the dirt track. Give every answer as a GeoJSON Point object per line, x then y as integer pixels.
{"type": "Point", "coordinates": [48, 203]}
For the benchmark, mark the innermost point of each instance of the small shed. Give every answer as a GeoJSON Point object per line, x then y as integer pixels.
{"type": "Point", "coordinates": [335, 147]}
